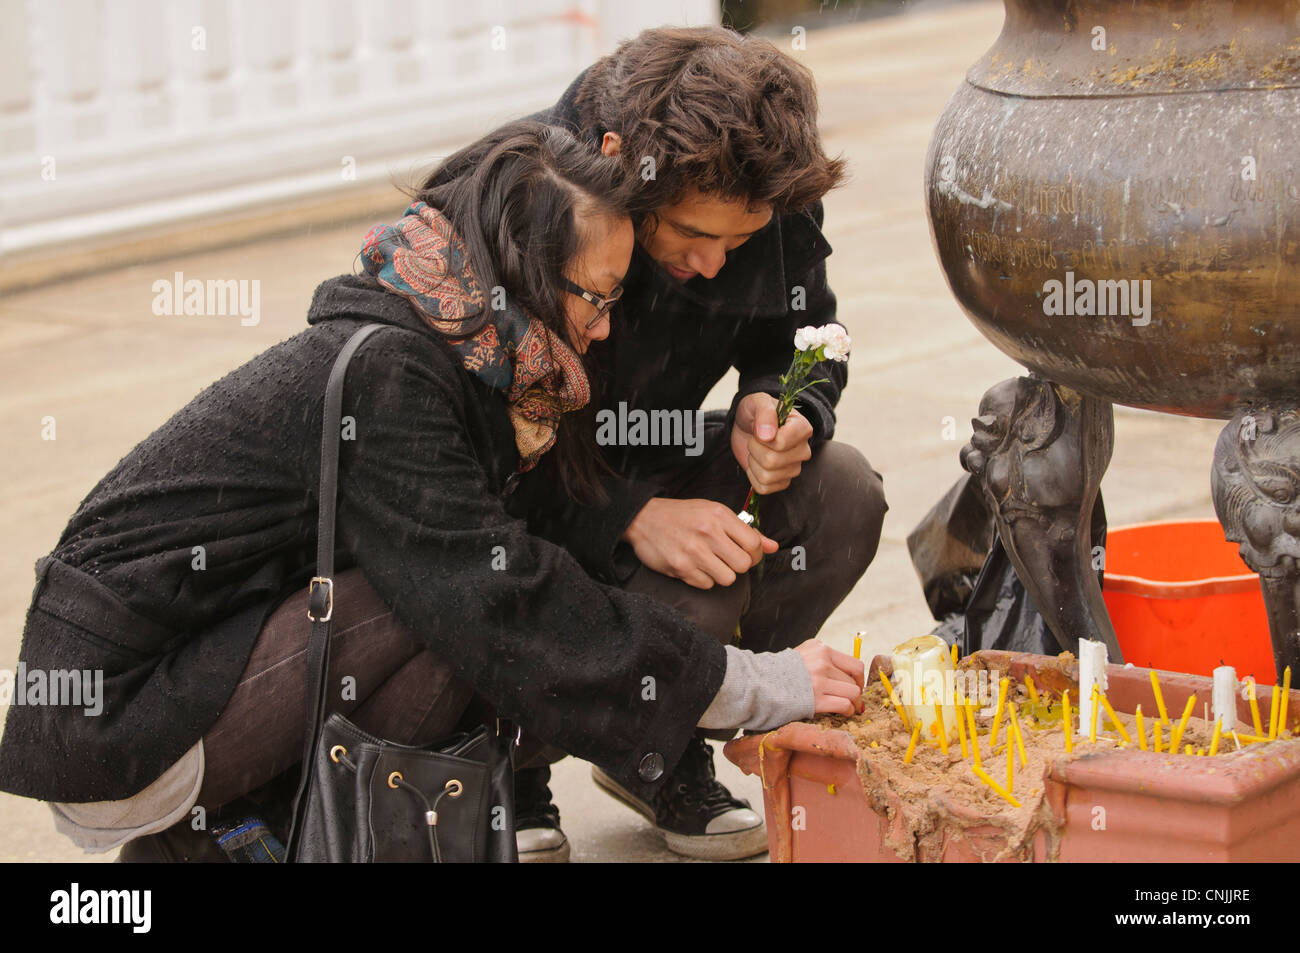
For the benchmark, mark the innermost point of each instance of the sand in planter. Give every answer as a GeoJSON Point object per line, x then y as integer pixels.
{"type": "Point", "coordinates": [939, 795]}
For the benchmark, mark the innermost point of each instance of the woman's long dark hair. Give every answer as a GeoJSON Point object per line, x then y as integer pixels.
{"type": "Point", "coordinates": [515, 198]}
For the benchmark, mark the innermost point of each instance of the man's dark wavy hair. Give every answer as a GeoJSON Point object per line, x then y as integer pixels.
{"type": "Point", "coordinates": [729, 115]}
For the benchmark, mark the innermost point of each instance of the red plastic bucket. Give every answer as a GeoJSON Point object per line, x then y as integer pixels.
{"type": "Point", "coordinates": [1181, 599]}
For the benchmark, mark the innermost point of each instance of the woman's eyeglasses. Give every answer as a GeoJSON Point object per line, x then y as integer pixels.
{"type": "Point", "coordinates": [602, 304]}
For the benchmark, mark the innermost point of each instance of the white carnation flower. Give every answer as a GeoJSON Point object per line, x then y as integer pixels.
{"type": "Point", "coordinates": [836, 341]}
{"type": "Point", "coordinates": [807, 339]}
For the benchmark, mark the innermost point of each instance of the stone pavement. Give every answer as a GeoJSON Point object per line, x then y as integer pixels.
{"type": "Point", "coordinates": [91, 354]}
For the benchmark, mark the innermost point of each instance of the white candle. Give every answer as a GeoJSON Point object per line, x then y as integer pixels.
{"type": "Point", "coordinates": [925, 662]}
{"type": "Point", "coordinates": [1092, 671]}
{"type": "Point", "coordinates": [1223, 699]}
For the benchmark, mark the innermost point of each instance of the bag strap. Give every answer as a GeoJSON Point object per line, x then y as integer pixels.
{"type": "Point", "coordinates": [320, 602]}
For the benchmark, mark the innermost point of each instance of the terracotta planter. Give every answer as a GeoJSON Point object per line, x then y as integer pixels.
{"type": "Point", "coordinates": [1243, 806]}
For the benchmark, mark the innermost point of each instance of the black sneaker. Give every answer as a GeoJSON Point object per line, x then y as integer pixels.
{"type": "Point", "coordinates": [698, 816]}
{"type": "Point", "coordinates": [537, 820]}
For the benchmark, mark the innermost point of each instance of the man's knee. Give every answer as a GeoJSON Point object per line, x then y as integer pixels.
{"type": "Point", "coordinates": [852, 496]}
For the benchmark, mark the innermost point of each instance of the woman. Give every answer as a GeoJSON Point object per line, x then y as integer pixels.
{"type": "Point", "coordinates": [172, 576]}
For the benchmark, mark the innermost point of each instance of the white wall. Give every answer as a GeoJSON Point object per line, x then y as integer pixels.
{"type": "Point", "coordinates": [116, 114]}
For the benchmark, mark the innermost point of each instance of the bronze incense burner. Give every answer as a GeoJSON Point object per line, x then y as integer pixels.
{"type": "Point", "coordinates": [1114, 199]}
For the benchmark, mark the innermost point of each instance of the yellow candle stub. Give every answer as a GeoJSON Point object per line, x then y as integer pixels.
{"type": "Point", "coordinates": [984, 776]}
{"type": "Point", "coordinates": [1092, 726]}
{"type": "Point", "coordinates": [1011, 764]}
{"type": "Point", "coordinates": [970, 730]}
{"type": "Point", "coordinates": [1029, 686]}
{"type": "Point", "coordinates": [1214, 742]}
{"type": "Point", "coordinates": [1177, 737]}
{"type": "Point", "coordinates": [893, 699]}
{"type": "Point", "coordinates": [1286, 695]}
{"type": "Point", "coordinates": [1160, 699]}
{"type": "Point", "coordinates": [1274, 698]}
{"type": "Point", "coordinates": [1254, 707]}
{"type": "Point", "coordinates": [1065, 725]}
{"type": "Point", "coordinates": [911, 748]}
{"type": "Point", "coordinates": [1013, 727]}
{"type": "Point", "coordinates": [961, 728]}
{"type": "Point", "coordinates": [1003, 684]}
{"type": "Point", "coordinates": [943, 729]}
{"type": "Point", "coordinates": [1114, 720]}
{"type": "Point", "coordinates": [857, 646]}
{"type": "Point", "coordinates": [1141, 727]}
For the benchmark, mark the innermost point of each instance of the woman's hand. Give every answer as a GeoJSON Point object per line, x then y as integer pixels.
{"type": "Point", "coordinates": [836, 678]}
{"type": "Point", "coordinates": [700, 542]}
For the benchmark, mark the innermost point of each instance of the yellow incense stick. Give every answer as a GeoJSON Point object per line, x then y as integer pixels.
{"type": "Point", "coordinates": [997, 716]}
{"type": "Point", "coordinates": [961, 727]}
{"type": "Point", "coordinates": [943, 729]}
{"type": "Point", "coordinates": [1274, 698]}
{"type": "Point", "coordinates": [1011, 763]}
{"type": "Point", "coordinates": [893, 699]}
{"type": "Point", "coordinates": [1123, 733]}
{"type": "Point", "coordinates": [1029, 686]}
{"type": "Point", "coordinates": [1177, 737]}
{"type": "Point", "coordinates": [1254, 707]}
{"type": "Point", "coordinates": [857, 646]}
{"type": "Point", "coordinates": [911, 748]}
{"type": "Point", "coordinates": [1065, 722]}
{"type": "Point", "coordinates": [1092, 728]}
{"type": "Point", "coordinates": [1014, 726]}
{"type": "Point", "coordinates": [921, 716]}
{"type": "Point", "coordinates": [1160, 699]}
{"type": "Point", "coordinates": [1286, 695]}
{"type": "Point", "coordinates": [970, 730]}
{"type": "Point", "coordinates": [1005, 795]}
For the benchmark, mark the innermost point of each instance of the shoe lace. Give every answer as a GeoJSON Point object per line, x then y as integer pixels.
{"type": "Point", "coordinates": [696, 781]}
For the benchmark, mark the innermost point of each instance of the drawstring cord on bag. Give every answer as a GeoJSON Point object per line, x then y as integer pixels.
{"type": "Point", "coordinates": [339, 755]}
{"type": "Point", "coordinates": [452, 787]}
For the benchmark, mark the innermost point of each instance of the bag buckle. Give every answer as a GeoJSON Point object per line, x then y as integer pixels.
{"type": "Point", "coordinates": [519, 730]}
{"type": "Point", "coordinates": [315, 609]}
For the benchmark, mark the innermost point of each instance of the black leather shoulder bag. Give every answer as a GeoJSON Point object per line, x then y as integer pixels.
{"type": "Point", "coordinates": [365, 800]}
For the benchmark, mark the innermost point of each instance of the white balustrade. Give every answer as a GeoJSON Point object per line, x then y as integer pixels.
{"type": "Point", "coordinates": [116, 114]}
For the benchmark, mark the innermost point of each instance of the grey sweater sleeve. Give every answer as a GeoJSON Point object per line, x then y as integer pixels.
{"type": "Point", "coordinates": [761, 691]}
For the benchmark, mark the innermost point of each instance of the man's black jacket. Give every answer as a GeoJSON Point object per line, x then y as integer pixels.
{"type": "Point", "coordinates": [670, 343]}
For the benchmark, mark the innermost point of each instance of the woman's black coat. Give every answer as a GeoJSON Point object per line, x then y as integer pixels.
{"type": "Point", "coordinates": [168, 569]}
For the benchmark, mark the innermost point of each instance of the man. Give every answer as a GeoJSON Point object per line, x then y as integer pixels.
{"type": "Point", "coordinates": [721, 130]}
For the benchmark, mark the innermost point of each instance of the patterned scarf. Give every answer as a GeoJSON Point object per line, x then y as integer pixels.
{"type": "Point", "coordinates": [421, 258]}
